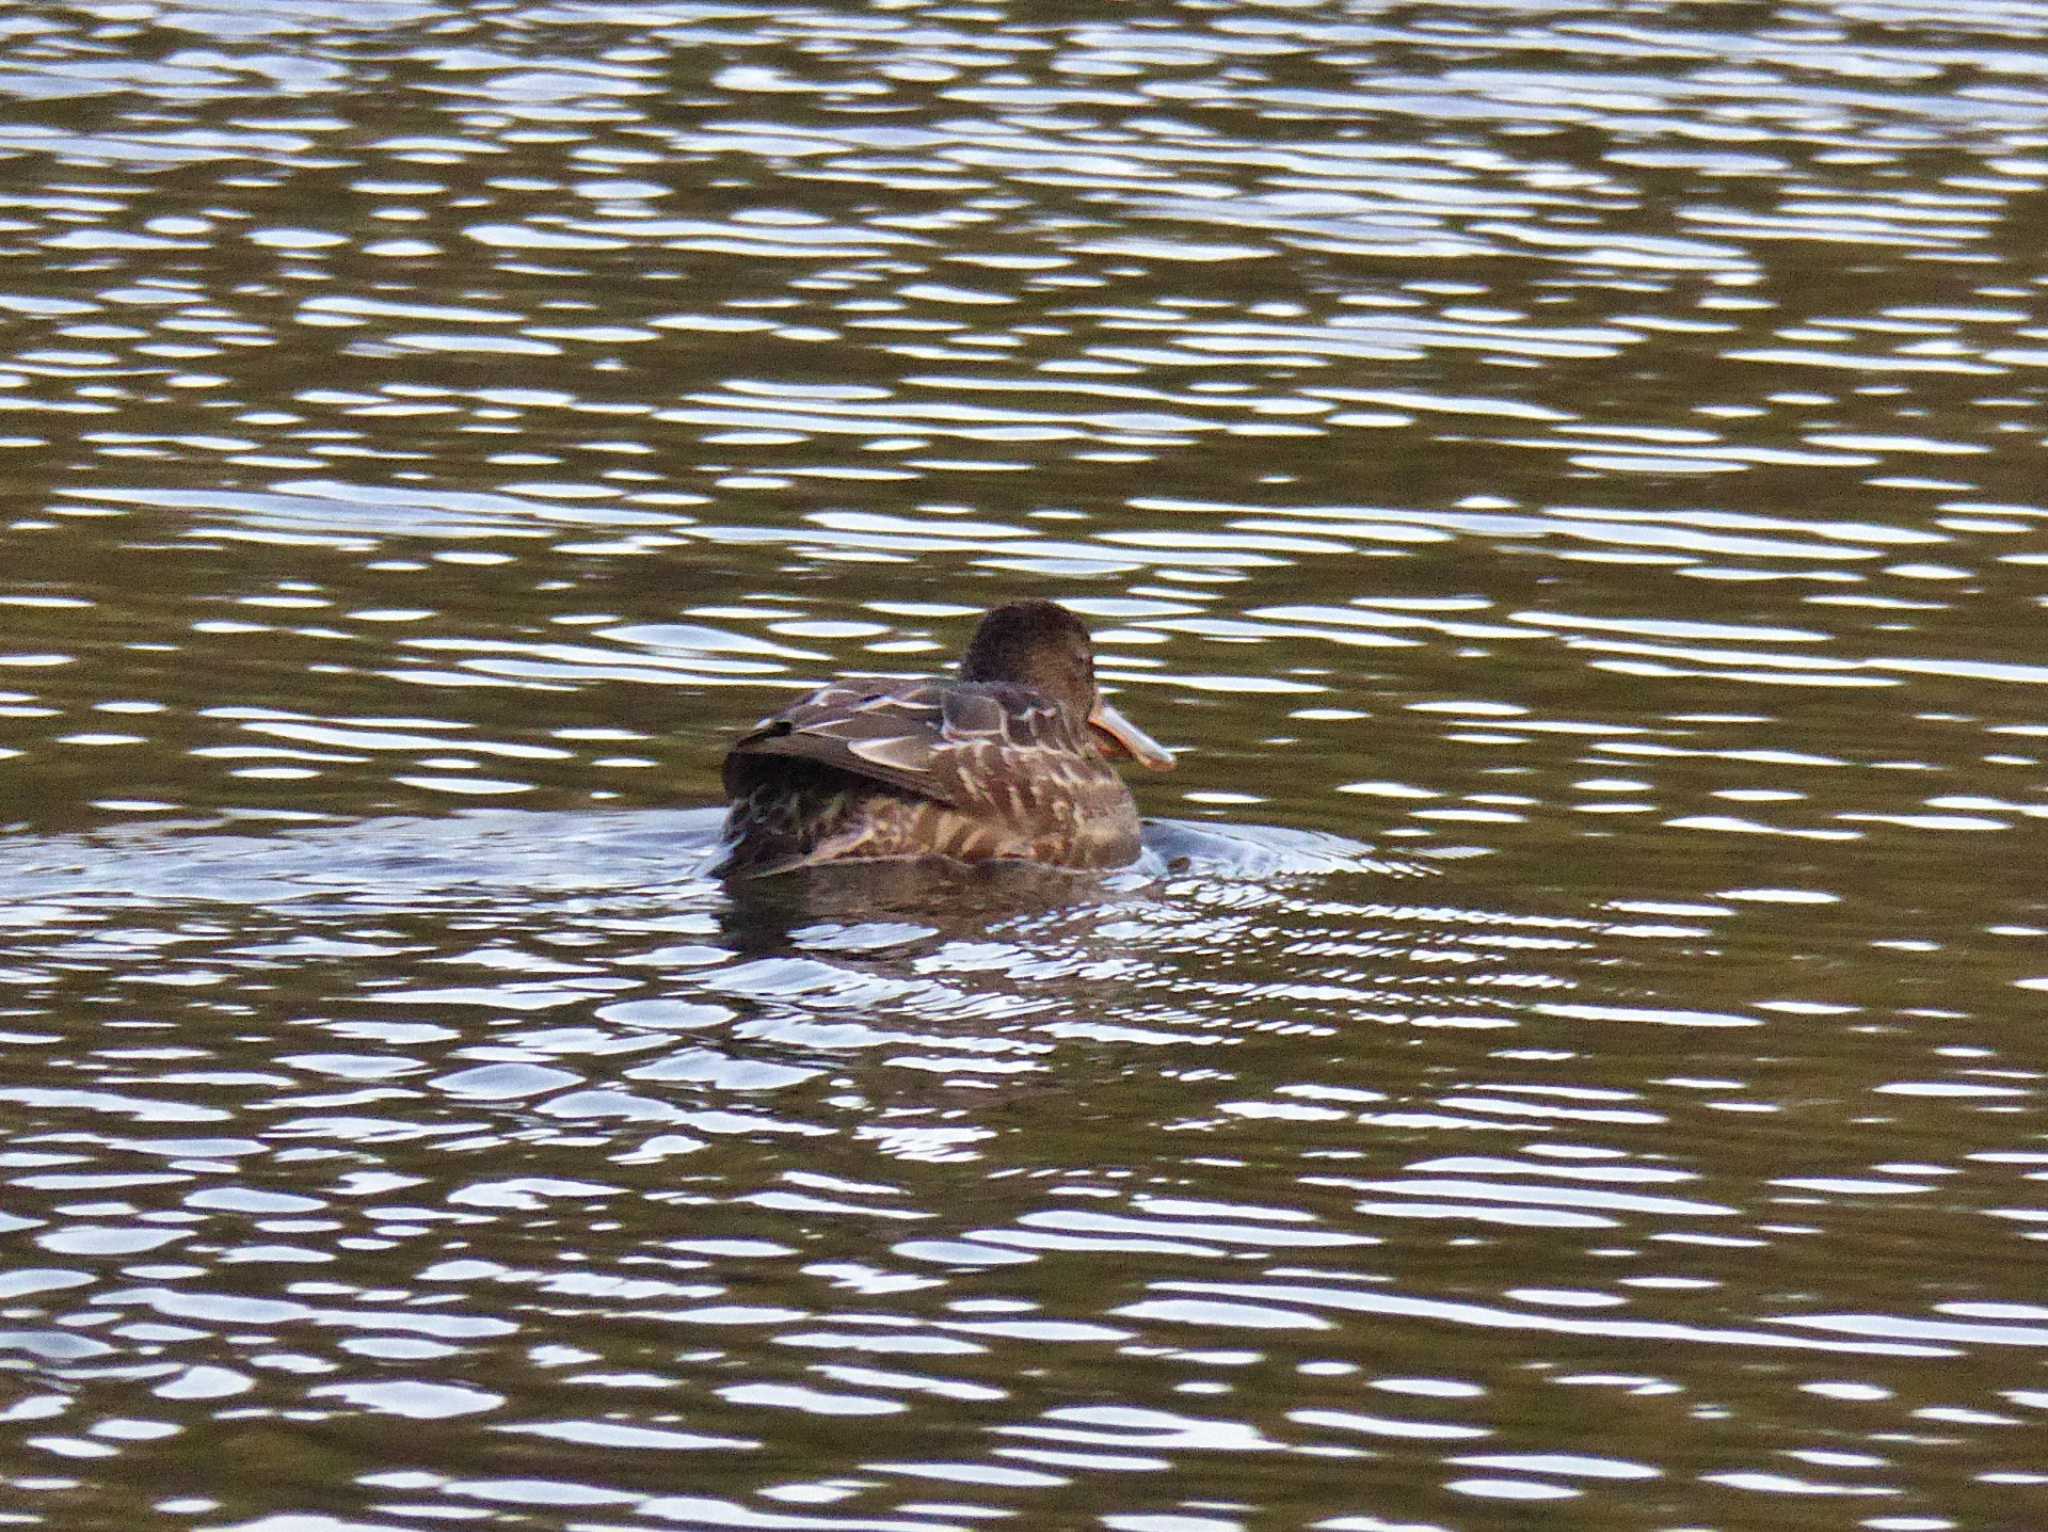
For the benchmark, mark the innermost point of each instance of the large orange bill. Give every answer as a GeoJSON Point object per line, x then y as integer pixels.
{"type": "Point", "coordinates": [1128, 737]}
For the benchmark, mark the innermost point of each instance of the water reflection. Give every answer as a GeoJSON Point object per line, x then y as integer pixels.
{"type": "Point", "coordinates": [1569, 475]}
{"type": "Point", "coordinates": [500, 1032]}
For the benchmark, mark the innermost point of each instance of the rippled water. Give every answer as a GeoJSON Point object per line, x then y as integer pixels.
{"type": "Point", "coordinates": [1568, 479]}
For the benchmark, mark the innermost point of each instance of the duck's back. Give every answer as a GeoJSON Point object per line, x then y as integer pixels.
{"type": "Point", "coordinates": [972, 771]}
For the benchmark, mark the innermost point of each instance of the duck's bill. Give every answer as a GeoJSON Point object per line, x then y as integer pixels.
{"type": "Point", "coordinates": [1126, 736]}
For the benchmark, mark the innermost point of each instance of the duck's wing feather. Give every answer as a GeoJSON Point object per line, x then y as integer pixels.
{"type": "Point", "coordinates": [931, 738]}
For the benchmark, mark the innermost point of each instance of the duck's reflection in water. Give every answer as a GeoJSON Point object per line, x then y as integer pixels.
{"type": "Point", "coordinates": [946, 898]}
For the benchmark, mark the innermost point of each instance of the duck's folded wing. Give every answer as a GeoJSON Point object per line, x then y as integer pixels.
{"type": "Point", "coordinates": [895, 734]}
{"type": "Point", "coordinates": [951, 742]}
{"type": "Point", "coordinates": [995, 718]}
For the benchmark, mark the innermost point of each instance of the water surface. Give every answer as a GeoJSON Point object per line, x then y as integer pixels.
{"type": "Point", "coordinates": [1568, 481]}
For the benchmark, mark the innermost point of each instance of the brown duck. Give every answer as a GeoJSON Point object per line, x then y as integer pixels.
{"type": "Point", "coordinates": [1011, 762]}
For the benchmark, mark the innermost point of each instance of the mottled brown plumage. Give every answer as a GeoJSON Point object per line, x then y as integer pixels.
{"type": "Point", "coordinates": [1009, 762]}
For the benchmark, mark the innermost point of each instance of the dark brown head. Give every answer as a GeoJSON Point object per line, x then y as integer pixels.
{"type": "Point", "coordinates": [1042, 645]}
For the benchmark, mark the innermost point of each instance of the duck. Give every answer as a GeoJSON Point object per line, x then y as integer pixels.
{"type": "Point", "coordinates": [1012, 760]}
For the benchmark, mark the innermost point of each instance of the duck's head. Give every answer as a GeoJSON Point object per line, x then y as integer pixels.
{"type": "Point", "coordinates": [1042, 645]}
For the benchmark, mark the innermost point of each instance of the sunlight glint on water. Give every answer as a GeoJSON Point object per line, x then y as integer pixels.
{"type": "Point", "coordinates": [1566, 481]}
